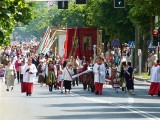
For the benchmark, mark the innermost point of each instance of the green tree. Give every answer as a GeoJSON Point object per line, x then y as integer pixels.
{"type": "Point", "coordinates": [13, 12]}
{"type": "Point", "coordinates": [142, 15]}
{"type": "Point", "coordinates": [114, 22]}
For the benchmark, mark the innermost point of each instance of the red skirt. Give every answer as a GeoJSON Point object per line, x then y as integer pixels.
{"type": "Point", "coordinates": [154, 88]}
{"type": "Point", "coordinates": [27, 87]}
{"type": "Point", "coordinates": [59, 84]}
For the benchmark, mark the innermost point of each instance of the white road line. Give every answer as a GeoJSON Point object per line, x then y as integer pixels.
{"type": "Point", "coordinates": [131, 100]}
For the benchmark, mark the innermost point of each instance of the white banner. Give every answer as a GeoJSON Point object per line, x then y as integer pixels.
{"type": "Point", "coordinates": [77, 75]}
{"type": "Point", "coordinates": [61, 42]}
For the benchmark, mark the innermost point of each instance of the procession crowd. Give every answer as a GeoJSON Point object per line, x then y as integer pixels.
{"type": "Point", "coordinates": [20, 62]}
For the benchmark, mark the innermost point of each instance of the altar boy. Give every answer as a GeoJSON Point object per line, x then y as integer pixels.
{"type": "Point", "coordinates": [99, 75]}
{"type": "Point", "coordinates": [29, 74]}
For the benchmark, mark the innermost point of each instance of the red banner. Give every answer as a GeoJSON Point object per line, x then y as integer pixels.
{"type": "Point", "coordinates": [80, 42]}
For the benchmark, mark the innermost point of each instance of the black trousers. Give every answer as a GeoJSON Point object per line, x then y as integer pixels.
{"type": "Point", "coordinates": [18, 76]}
{"type": "Point", "coordinates": [21, 78]}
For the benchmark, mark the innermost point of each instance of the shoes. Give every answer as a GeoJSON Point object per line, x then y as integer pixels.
{"type": "Point", "coordinates": [28, 94]}
{"type": "Point", "coordinates": [61, 92]}
{"type": "Point", "coordinates": [11, 88]}
{"type": "Point", "coordinates": [7, 89]}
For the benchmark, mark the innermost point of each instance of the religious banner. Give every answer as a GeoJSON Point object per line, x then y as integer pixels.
{"type": "Point", "coordinates": [80, 43]}
{"type": "Point", "coordinates": [61, 42]}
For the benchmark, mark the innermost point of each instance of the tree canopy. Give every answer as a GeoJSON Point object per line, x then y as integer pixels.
{"type": "Point", "coordinates": [13, 12]}
{"type": "Point", "coordinates": [101, 14]}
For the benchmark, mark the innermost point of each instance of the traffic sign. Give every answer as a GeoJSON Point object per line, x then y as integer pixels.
{"type": "Point", "coordinates": [151, 45]}
{"type": "Point", "coordinates": [115, 43]}
{"type": "Point", "coordinates": [132, 44]}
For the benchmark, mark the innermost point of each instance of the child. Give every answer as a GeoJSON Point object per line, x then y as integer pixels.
{"type": "Point", "coordinates": [60, 81]}
{"type": "Point", "coordinates": [116, 85]}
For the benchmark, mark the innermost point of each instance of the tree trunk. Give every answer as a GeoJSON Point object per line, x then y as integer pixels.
{"type": "Point", "coordinates": [144, 53]}
{"type": "Point", "coordinates": [137, 37]}
{"type": "Point", "coordinates": [146, 38]}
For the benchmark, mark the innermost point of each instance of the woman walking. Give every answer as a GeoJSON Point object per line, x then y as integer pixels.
{"type": "Point", "coordinates": [67, 77]}
{"type": "Point", "coordinates": [10, 74]}
{"type": "Point", "coordinates": [51, 76]}
{"type": "Point", "coordinates": [129, 79]}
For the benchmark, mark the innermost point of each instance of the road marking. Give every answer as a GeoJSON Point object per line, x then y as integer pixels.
{"type": "Point", "coordinates": [128, 107]}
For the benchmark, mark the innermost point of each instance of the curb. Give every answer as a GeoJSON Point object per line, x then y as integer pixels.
{"type": "Point", "coordinates": [142, 79]}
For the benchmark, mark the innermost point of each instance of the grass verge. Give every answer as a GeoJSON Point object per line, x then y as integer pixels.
{"type": "Point", "coordinates": [143, 75]}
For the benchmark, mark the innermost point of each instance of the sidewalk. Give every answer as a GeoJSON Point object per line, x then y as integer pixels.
{"type": "Point", "coordinates": [142, 79]}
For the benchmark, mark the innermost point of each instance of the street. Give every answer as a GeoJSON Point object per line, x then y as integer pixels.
{"type": "Point", "coordinates": [79, 104]}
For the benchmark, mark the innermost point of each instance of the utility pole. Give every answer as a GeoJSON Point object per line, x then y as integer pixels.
{"type": "Point", "coordinates": [156, 28]}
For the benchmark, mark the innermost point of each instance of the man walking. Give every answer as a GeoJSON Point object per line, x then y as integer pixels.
{"type": "Point", "coordinates": [99, 76]}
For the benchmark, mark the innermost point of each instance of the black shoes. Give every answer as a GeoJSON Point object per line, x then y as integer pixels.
{"type": "Point", "coordinates": [28, 94]}
{"type": "Point", "coordinates": [7, 89]}
{"type": "Point", "coordinates": [11, 88]}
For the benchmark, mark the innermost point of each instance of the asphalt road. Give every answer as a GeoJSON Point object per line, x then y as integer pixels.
{"type": "Point", "coordinates": [79, 104]}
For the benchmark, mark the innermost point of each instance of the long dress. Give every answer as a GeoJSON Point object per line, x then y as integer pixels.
{"type": "Point", "coordinates": [51, 78]}
{"type": "Point", "coordinates": [41, 73]}
{"type": "Point", "coordinates": [129, 78]}
{"type": "Point", "coordinates": [10, 75]}
{"type": "Point", "coordinates": [113, 74]}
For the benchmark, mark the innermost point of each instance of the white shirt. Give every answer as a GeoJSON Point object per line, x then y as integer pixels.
{"type": "Point", "coordinates": [66, 75]}
{"type": "Point", "coordinates": [29, 77]}
{"type": "Point", "coordinates": [60, 77]}
{"type": "Point", "coordinates": [99, 75]}
{"type": "Point", "coordinates": [155, 74]}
